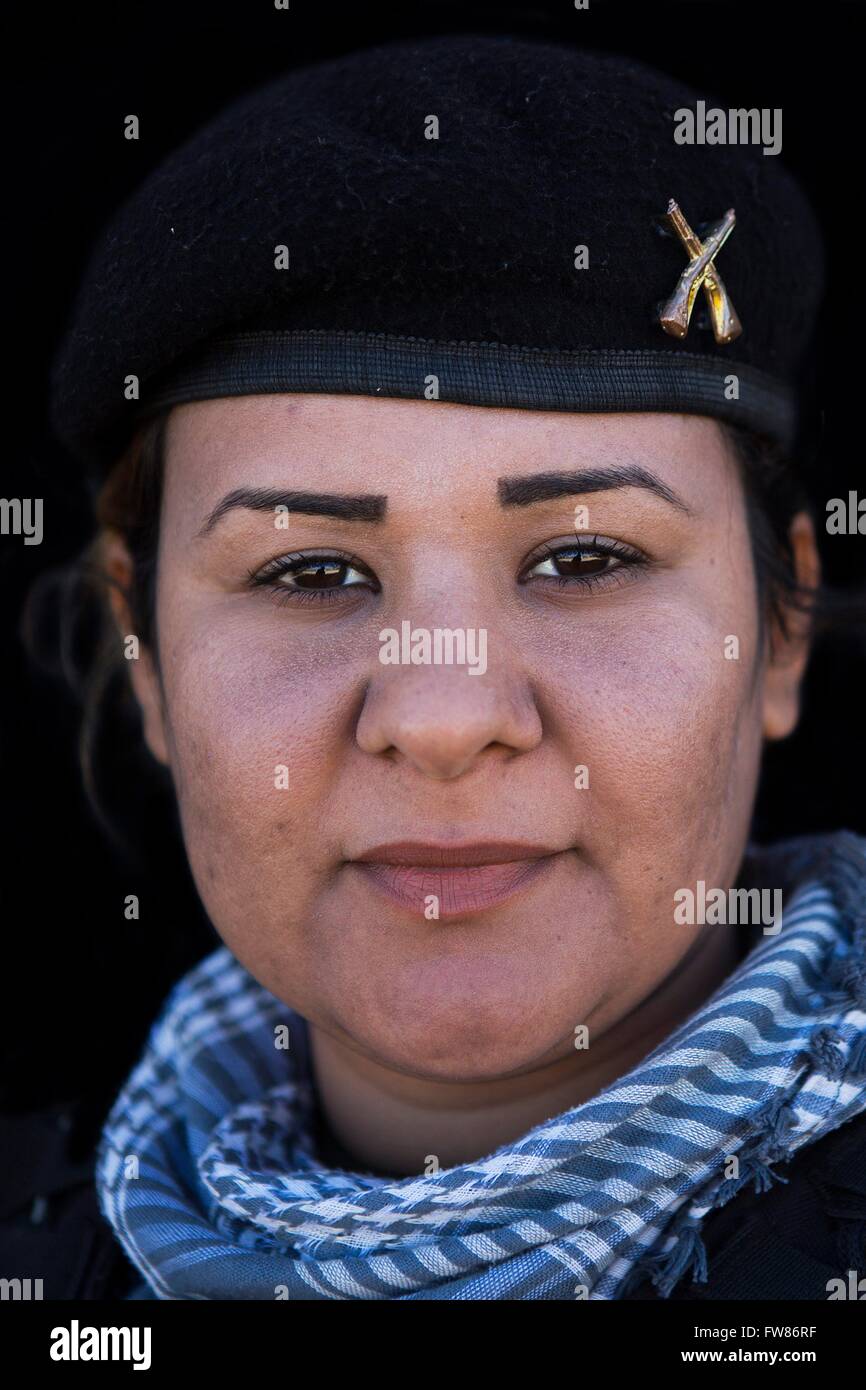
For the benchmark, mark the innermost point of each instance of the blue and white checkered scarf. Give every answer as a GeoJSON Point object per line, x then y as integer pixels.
{"type": "Point", "coordinates": [208, 1175]}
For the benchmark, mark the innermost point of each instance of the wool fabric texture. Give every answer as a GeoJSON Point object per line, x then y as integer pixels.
{"type": "Point", "coordinates": [408, 260]}
{"type": "Point", "coordinates": [208, 1174]}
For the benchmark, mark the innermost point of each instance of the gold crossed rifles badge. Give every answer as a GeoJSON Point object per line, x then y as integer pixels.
{"type": "Point", "coordinates": [700, 272]}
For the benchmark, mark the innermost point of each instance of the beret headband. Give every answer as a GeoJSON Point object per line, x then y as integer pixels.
{"type": "Point", "coordinates": [472, 219]}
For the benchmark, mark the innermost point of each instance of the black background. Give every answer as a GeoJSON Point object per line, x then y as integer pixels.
{"type": "Point", "coordinates": [81, 983]}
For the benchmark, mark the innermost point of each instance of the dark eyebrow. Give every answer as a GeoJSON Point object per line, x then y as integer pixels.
{"type": "Point", "coordinates": [543, 487]}
{"type": "Point", "coordinates": [364, 507]}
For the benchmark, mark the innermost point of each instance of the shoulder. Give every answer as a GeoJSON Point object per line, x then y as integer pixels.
{"type": "Point", "coordinates": [790, 1241]}
{"type": "Point", "coordinates": [52, 1232]}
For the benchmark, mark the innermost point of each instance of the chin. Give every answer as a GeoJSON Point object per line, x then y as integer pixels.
{"type": "Point", "coordinates": [470, 1018]}
{"type": "Point", "coordinates": [455, 1067]}
{"type": "Point", "coordinates": [481, 1042]}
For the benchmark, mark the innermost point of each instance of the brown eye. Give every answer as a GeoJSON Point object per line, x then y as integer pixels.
{"type": "Point", "coordinates": [321, 574]}
{"type": "Point", "coordinates": [574, 565]}
{"type": "Point", "coordinates": [590, 562]}
{"type": "Point", "coordinates": [327, 578]}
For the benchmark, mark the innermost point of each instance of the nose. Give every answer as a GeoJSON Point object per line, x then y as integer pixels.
{"type": "Point", "coordinates": [441, 718]}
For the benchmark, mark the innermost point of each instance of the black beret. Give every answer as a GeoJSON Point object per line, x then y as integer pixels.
{"type": "Point", "coordinates": [405, 221]}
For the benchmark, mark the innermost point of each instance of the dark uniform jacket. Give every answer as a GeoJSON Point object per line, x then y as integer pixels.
{"type": "Point", "coordinates": [784, 1243]}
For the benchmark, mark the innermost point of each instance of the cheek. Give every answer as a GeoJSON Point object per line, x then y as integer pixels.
{"type": "Point", "coordinates": [670, 731]}
{"type": "Point", "coordinates": [254, 733]}
{"type": "Point", "coordinates": [668, 723]}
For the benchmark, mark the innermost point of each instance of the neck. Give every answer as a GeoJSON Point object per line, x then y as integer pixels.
{"type": "Point", "coordinates": [396, 1124]}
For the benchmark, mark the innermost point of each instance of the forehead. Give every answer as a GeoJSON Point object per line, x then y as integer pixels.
{"type": "Point", "coordinates": [415, 450]}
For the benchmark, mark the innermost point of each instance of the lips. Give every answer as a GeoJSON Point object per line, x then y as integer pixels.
{"type": "Point", "coordinates": [437, 881]}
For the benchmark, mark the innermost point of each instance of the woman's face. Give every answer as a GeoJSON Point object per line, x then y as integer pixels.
{"type": "Point", "coordinates": [607, 726]}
